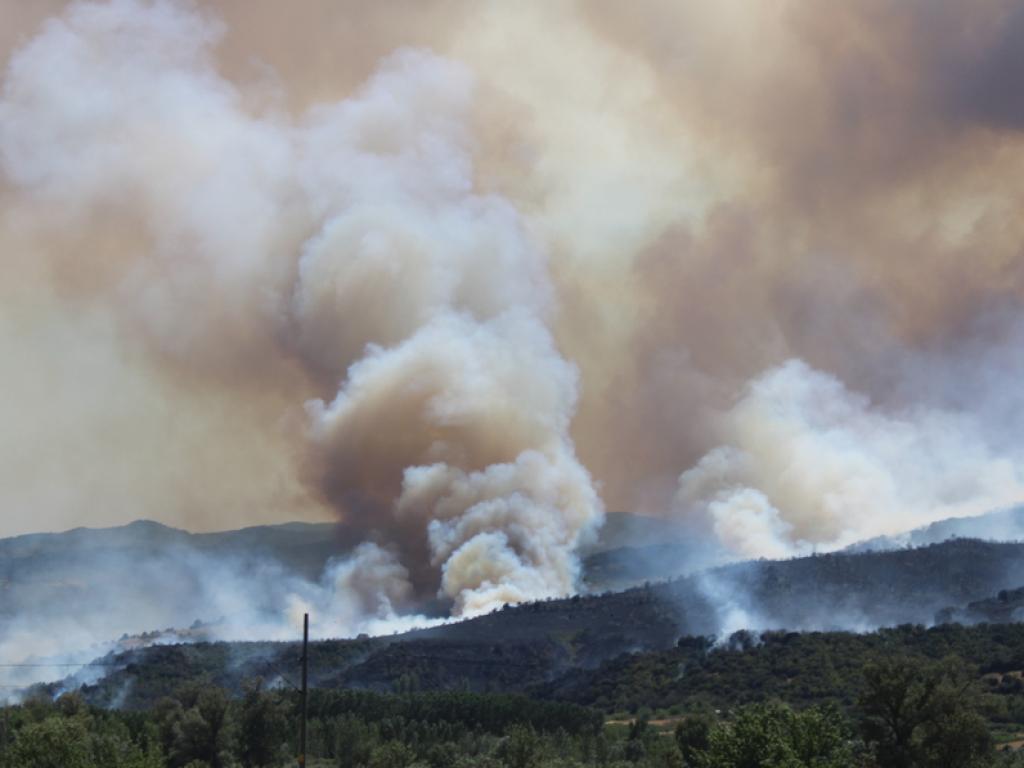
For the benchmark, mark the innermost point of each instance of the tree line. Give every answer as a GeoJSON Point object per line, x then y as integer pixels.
{"type": "Point", "coordinates": [910, 713]}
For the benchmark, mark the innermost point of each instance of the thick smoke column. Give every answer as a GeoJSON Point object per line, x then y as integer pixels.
{"type": "Point", "coordinates": [432, 268]}
{"type": "Point", "coordinates": [460, 432]}
{"type": "Point", "coordinates": [350, 244]}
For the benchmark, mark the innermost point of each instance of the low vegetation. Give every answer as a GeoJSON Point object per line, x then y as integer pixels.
{"type": "Point", "coordinates": [899, 698]}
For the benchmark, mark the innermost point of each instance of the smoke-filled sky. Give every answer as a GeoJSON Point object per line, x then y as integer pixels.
{"type": "Point", "coordinates": [464, 275]}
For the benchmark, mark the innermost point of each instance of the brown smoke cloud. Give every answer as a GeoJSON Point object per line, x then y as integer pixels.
{"type": "Point", "coordinates": [869, 228]}
{"type": "Point", "coordinates": [464, 274]}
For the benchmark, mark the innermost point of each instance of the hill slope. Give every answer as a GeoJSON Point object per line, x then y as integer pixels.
{"type": "Point", "coordinates": [675, 554]}
{"type": "Point", "coordinates": [525, 646]}
{"type": "Point", "coordinates": [1000, 525]}
{"type": "Point", "coordinates": [66, 596]}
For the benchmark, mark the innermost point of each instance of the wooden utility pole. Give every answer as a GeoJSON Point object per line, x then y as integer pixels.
{"type": "Point", "coordinates": [305, 689]}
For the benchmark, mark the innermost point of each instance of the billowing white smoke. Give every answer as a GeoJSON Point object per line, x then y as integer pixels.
{"type": "Point", "coordinates": [175, 592]}
{"type": "Point", "coordinates": [348, 248]}
{"type": "Point", "coordinates": [465, 423]}
{"type": "Point", "coordinates": [245, 304]}
{"type": "Point", "coordinates": [810, 464]}
{"type": "Point", "coordinates": [367, 592]}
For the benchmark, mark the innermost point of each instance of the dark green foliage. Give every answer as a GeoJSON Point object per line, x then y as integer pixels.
{"type": "Point", "coordinates": [775, 736]}
{"type": "Point", "coordinates": [391, 754]}
{"type": "Point", "coordinates": [693, 737]}
{"type": "Point", "coordinates": [354, 741]}
{"type": "Point", "coordinates": [491, 713]}
{"type": "Point", "coordinates": [803, 669]}
{"type": "Point", "coordinates": [262, 728]}
{"type": "Point", "coordinates": [520, 748]}
{"type": "Point", "coordinates": [889, 700]}
{"type": "Point", "coordinates": [69, 735]}
{"type": "Point", "coordinates": [198, 729]}
{"type": "Point", "coordinates": [923, 714]}
{"type": "Point", "coordinates": [54, 743]}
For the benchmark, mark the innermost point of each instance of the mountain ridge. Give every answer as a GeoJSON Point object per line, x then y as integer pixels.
{"type": "Point", "coordinates": [536, 643]}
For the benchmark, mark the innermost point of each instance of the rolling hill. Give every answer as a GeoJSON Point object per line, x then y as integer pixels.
{"type": "Point", "coordinates": [531, 646]}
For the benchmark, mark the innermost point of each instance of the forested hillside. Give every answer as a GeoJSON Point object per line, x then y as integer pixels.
{"type": "Point", "coordinates": [904, 698]}
{"type": "Point", "coordinates": [560, 642]}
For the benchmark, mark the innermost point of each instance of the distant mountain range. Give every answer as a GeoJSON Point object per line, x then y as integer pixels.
{"type": "Point", "coordinates": [303, 547]}
{"type": "Point", "coordinates": [146, 575]}
{"type": "Point", "coordinates": [1001, 525]}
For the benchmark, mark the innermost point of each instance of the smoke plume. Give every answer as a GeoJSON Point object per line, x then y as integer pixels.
{"type": "Point", "coordinates": [462, 275]}
{"type": "Point", "coordinates": [345, 248]}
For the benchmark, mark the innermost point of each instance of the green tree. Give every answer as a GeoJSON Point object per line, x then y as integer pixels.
{"type": "Point", "coordinates": [918, 714]}
{"type": "Point", "coordinates": [113, 749]}
{"type": "Point", "coordinates": [262, 728]}
{"type": "Point", "coordinates": [71, 704]}
{"type": "Point", "coordinates": [442, 755]}
{"type": "Point", "coordinates": [821, 737]}
{"type": "Point", "coordinates": [601, 751]}
{"type": "Point", "coordinates": [202, 731]}
{"type": "Point", "coordinates": [355, 741]}
{"type": "Point", "coordinates": [53, 743]}
{"type": "Point", "coordinates": [520, 748]}
{"type": "Point", "coordinates": [774, 736]}
{"type": "Point", "coordinates": [391, 754]}
{"type": "Point", "coordinates": [692, 736]}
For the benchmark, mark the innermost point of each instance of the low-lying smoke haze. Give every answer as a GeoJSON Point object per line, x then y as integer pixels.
{"type": "Point", "coordinates": [464, 275]}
